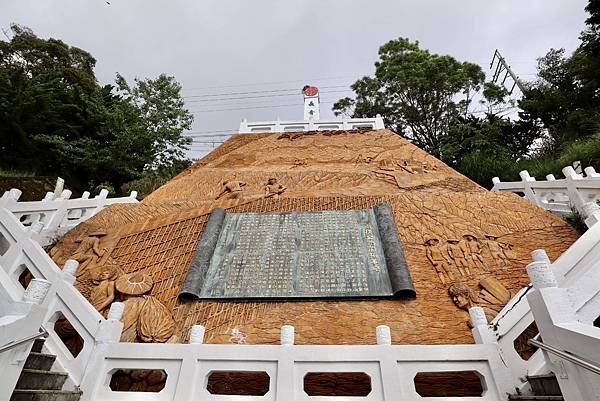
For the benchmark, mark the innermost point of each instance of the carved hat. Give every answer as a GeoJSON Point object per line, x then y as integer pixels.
{"type": "Point", "coordinates": [137, 283]}
{"type": "Point", "coordinates": [431, 240]}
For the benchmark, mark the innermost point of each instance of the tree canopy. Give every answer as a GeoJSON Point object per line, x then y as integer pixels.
{"type": "Point", "coordinates": [56, 119]}
{"type": "Point", "coordinates": [418, 93]}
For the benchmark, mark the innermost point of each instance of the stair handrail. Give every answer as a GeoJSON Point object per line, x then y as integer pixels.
{"type": "Point", "coordinates": [63, 297]}
{"type": "Point", "coordinates": [577, 360]}
{"type": "Point", "coordinates": [13, 344]}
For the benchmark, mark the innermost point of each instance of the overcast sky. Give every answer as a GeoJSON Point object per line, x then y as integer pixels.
{"type": "Point", "coordinates": [224, 47]}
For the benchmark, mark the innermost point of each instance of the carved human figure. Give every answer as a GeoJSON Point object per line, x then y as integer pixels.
{"type": "Point", "coordinates": [464, 298]}
{"type": "Point", "coordinates": [457, 254]}
{"type": "Point", "coordinates": [88, 253]}
{"type": "Point", "coordinates": [273, 189]}
{"type": "Point", "coordinates": [104, 278]}
{"type": "Point", "coordinates": [508, 251]}
{"type": "Point", "coordinates": [232, 189]}
{"type": "Point", "coordinates": [496, 250]}
{"type": "Point", "coordinates": [438, 259]}
{"type": "Point", "coordinates": [472, 250]}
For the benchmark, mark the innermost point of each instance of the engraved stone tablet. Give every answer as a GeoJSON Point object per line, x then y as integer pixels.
{"type": "Point", "coordinates": [324, 254]}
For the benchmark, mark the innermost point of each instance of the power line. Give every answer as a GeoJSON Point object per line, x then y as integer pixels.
{"type": "Point", "coordinates": [276, 82]}
{"type": "Point", "coordinates": [295, 90]}
{"type": "Point", "coordinates": [253, 107]}
{"type": "Point", "coordinates": [262, 96]}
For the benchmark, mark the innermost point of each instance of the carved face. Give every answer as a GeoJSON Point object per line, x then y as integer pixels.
{"type": "Point", "coordinates": [461, 295]}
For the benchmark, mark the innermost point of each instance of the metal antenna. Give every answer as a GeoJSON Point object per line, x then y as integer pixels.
{"type": "Point", "coordinates": [502, 69]}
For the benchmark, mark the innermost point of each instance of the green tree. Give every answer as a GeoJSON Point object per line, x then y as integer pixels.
{"type": "Point", "coordinates": [56, 119]}
{"type": "Point", "coordinates": [565, 98]}
{"type": "Point", "coordinates": [419, 94]}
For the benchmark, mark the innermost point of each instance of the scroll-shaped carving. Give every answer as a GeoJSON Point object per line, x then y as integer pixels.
{"type": "Point", "coordinates": [155, 323]}
{"type": "Point", "coordinates": [194, 280]}
{"type": "Point", "coordinates": [400, 278]}
{"type": "Point", "coordinates": [88, 253]}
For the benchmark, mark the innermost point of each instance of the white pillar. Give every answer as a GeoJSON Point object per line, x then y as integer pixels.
{"type": "Point", "coordinates": [551, 177]}
{"type": "Point", "coordinates": [590, 172]}
{"type": "Point", "coordinates": [541, 275]}
{"type": "Point", "coordinates": [496, 180]}
{"type": "Point", "coordinates": [197, 334]}
{"type": "Point", "coordinates": [287, 335]}
{"type": "Point", "coordinates": [525, 176]}
{"type": "Point", "coordinates": [540, 255]}
{"type": "Point", "coordinates": [116, 311]}
{"type": "Point", "coordinates": [36, 291]}
{"type": "Point", "coordinates": [384, 335]}
{"type": "Point", "coordinates": [591, 213]}
{"type": "Point", "coordinates": [477, 316]}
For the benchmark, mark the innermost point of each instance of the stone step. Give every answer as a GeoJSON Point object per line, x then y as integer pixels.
{"type": "Point", "coordinates": [45, 395]}
{"type": "Point", "coordinates": [535, 398]}
{"type": "Point", "coordinates": [32, 379]}
{"type": "Point", "coordinates": [544, 384]}
{"type": "Point", "coordinates": [38, 343]}
{"type": "Point", "coordinates": [39, 361]}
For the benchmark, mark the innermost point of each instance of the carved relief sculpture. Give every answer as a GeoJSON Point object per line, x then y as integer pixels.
{"type": "Point", "coordinates": [232, 190]}
{"type": "Point", "coordinates": [496, 250]}
{"type": "Point", "coordinates": [472, 249]}
{"type": "Point", "coordinates": [438, 259]}
{"type": "Point", "coordinates": [492, 297]}
{"type": "Point", "coordinates": [457, 254]}
{"type": "Point", "coordinates": [273, 189]}
{"type": "Point", "coordinates": [88, 253]}
{"type": "Point", "coordinates": [104, 278]}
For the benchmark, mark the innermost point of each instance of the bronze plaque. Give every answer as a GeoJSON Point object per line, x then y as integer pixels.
{"type": "Point", "coordinates": [295, 255]}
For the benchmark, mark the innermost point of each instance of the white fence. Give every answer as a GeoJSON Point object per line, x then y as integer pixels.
{"type": "Point", "coordinates": [391, 368]}
{"type": "Point", "coordinates": [51, 218]}
{"type": "Point", "coordinates": [559, 196]}
{"type": "Point", "coordinates": [577, 271]}
{"type": "Point", "coordinates": [316, 125]}
{"type": "Point", "coordinates": [20, 324]}
{"type": "Point", "coordinates": [19, 252]}
{"type": "Point", "coordinates": [571, 342]}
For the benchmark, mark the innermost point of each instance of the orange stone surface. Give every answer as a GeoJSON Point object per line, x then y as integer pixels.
{"type": "Point", "coordinates": [329, 171]}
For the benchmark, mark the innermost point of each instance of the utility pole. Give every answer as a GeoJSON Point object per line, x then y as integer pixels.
{"type": "Point", "coordinates": [502, 68]}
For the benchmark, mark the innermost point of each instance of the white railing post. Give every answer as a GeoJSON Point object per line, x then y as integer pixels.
{"type": "Point", "coordinates": [69, 271]}
{"type": "Point", "coordinates": [110, 330]}
{"type": "Point", "coordinates": [480, 331]}
{"type": "Point", "coordinates": [529, 194]}
{"type": "Point", "coordinates": [383, 335]}
{"type": "Point", "coordinates": [590, 172]}
{"type": "Point", "coordinates": [287, 335]}
{"type": "Point", "coordinates": [591, 213]}
{"type": "Point", "coordinates": [197, 334]}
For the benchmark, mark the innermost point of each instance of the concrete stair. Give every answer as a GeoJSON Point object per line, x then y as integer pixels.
{"type": "Point", "coordinates": [38, 383]}
{"type": "Point", "coordinates": [544, 387]}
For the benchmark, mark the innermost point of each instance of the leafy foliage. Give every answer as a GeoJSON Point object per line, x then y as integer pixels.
{"type": "Point", "coordinates": [56, 119]}
{"type": "Point", "coordinates": [418, 93]}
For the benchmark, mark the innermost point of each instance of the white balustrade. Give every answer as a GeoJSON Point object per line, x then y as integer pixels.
{"type": "Point", "coordinates": [312, 125]}
{"type": "Point", "coordinates": [559, 196]}
{"type": "Point", "coordinates": [51, 218]}
{"type": "Point", "coordinates": [20, 322]}
{"type": "Point", "coordinates": [577, 269]}
{"type": "Point", "coordinates": [21, 252]}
